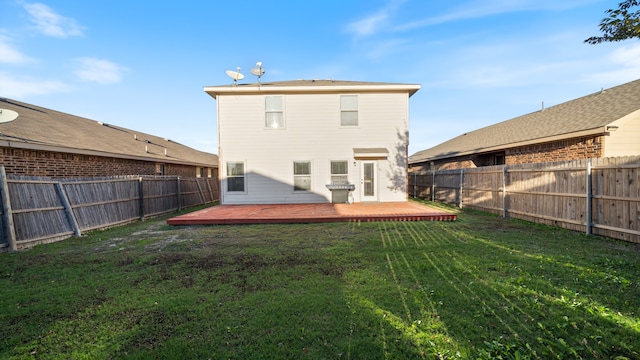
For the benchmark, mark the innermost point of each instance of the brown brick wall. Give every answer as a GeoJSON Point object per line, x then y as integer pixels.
{"type": "Point", "coordinates": [570, 149]}
{"type": "Point", "coordinates": [462, 162]}
{"type": "Point", "coordinates": [56, 164]}
{"type": "Point", "coordinates": [180, 170]}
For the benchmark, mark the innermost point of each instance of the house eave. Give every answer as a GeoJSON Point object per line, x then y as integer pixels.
{"type": "Point", "coordinates": [70, 150]}
{"type": "Point", "coordinates": [215, 91]}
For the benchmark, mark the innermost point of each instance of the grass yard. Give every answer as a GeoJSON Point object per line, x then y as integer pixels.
{"type": "Point", "coordinates": [478, 288]}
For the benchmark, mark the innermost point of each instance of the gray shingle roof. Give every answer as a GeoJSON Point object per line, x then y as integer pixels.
{"type": "Point", "coordinates": [38, 126]}
{"type": "Point", "coordinates": [590, 112]}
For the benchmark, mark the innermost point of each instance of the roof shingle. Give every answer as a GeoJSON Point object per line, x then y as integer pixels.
{"type": "Point", "coordinates": [39, 126]}
{"type": "Point", "coordinates": [590, 112]}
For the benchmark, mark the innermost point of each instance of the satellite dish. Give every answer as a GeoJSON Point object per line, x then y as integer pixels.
{"type": "Point", "coordinates": [7, 115]}
{"type": "Point", "coordinates": [235, 75]}
{"type": "Point", "coordinates": [258, 71]}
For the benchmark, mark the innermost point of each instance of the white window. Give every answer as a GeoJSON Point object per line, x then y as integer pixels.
{"type": "Point", "coordinates": [274, 114]}
{"type": "Point", "coordinates": [339, 172]}
{"type": "Point", "coordinates": [301, 175]}
{"type": "Point", "coordinates": [349, 110]}
{"type": "Point", "coordinates": [235, 176]}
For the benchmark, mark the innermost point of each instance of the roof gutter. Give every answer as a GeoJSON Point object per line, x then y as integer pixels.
{"type": "Point", "coordinates": [214, 91]}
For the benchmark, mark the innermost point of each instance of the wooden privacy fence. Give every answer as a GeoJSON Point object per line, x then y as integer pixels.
{"type": "Point", "coordinates": [596, 196]}
{"type": "Point", "coordinates": [39, 210]}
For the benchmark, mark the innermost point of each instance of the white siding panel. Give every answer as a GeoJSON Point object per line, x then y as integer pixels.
{"type": "Point", "coordinates": [624, 141]}
{"type": "Point", "coordinates": [312, 133]}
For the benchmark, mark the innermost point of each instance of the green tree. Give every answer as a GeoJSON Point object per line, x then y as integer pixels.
{"type": "Point", "coordinates": [620, 24]}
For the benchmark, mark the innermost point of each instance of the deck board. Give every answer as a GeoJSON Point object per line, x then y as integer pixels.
{"type": "Point", "coordinates": [312, 213]}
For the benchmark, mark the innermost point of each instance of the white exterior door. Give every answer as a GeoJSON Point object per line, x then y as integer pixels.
{"type": "Point", "coordinates": [369, 181]}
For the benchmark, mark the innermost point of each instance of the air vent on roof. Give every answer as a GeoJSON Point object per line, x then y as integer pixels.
{"type": "Point", "coordinates": [7, 115]}
{"type": "Point", "coordinates": [105, 124]}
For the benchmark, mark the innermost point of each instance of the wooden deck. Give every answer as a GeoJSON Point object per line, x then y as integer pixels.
{"type": "Point", "coordinates": [312, 213]}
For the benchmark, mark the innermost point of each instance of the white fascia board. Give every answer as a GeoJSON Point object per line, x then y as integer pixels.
{"type": "Point", "coordinates": [214, 91]}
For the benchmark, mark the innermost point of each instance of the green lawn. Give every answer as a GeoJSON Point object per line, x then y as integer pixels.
{"type": "Point", "coordinates": [478, 288]}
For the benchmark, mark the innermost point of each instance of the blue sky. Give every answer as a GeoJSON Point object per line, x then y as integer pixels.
{"type": "Point", "coordinates": [143, 65]}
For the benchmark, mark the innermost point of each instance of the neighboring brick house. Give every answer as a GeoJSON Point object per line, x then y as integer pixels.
{"type": "Point", "coordinates": [603, 124]}
{"type": "Point", "coordinates": [44, 142]}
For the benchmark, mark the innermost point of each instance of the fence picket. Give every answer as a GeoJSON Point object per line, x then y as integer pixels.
{"type": "Point", "coordinates": [599, 196]}
{"type": "Point", "coordinates": [40, 210]}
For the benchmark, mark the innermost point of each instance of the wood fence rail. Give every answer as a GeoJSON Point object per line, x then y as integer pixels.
{"type": "Point", "coordinates": [38, 210]}
{"type": "Point", "coordinates": [596, 196]}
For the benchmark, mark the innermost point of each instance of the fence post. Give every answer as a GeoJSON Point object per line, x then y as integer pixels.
{"type": "Point", "coordinates": [141, 192]}
{"type": "Point", "coordinates": [68, 209]}
{"type": "Point", "coordinates": [461, 182]}
{"type": "Point", "coordinates": [504, 191]}
{"type": "Point", "coordinates": [179, 194]}
{"type": "Point", "coordinates": [433, 185]}
{"type": "Point", "coordinates": [7, 214]}
{"type": "Point", "coordinates": [414, 184]}
{"type": "Point", "coordinates": [206, 181]}
{"type": "Point", "coordinates": [588, 181]}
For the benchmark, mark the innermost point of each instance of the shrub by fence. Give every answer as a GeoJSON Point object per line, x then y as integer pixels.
{"type": "Point", "coordinates": [39, 210]}
{"type": "Point", "coordinates": [595, 196]}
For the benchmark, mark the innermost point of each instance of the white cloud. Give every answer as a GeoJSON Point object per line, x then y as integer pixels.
{"type": "Point", "coordinates": [482, 8]}
{"type": "Point", "coordinates": [368, 25]}
{"type": "Point", "coordinates": [13, 87]}
{"type": "Point", "coordinates": [99, 70]}
{"type": "Point", "coordinates": [373, 23]}
{"type": "Point", "coordinates": [625, 64]}
{"type": "Point", "coordinates": [11, 55]}
{"type": "Point", "coordinates": [51, 23]}
{"type": "Point", "coordinates": [628, 56]}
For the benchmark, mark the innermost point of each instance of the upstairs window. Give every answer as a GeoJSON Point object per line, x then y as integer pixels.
{"type": "Point", "coordinates": [301, 175]}
{"type": "Point", "coordinates": [235, 176]}
{"type": "Point", "coordinates": [339, 172]}
{"type": "Point", "coordinates": [348, 110]}
{"type": "Point", "coordinates": [274, 115]}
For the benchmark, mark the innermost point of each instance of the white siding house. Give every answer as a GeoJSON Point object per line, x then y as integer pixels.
{"type": "Point", "coordinates": [284, 142]}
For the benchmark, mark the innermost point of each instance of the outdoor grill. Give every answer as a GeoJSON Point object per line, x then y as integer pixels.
{"type": "Point", "coordinates": [340, 192]}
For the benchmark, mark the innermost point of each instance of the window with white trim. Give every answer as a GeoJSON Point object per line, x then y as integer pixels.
{"type": "Point", "coordinates": [273, 112]}
{"type": "Point", "coordinates": [348, 110]}
{"type": "Point", "coordinates": [235, 176]}
{"type": "Point", "coordinates": [301, 175]}
{"type": "Point", "coordinates": [339, 172]}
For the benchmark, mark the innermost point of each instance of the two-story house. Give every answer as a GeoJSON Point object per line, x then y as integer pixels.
{"type": "Point", "coordinates": [312, 141]}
